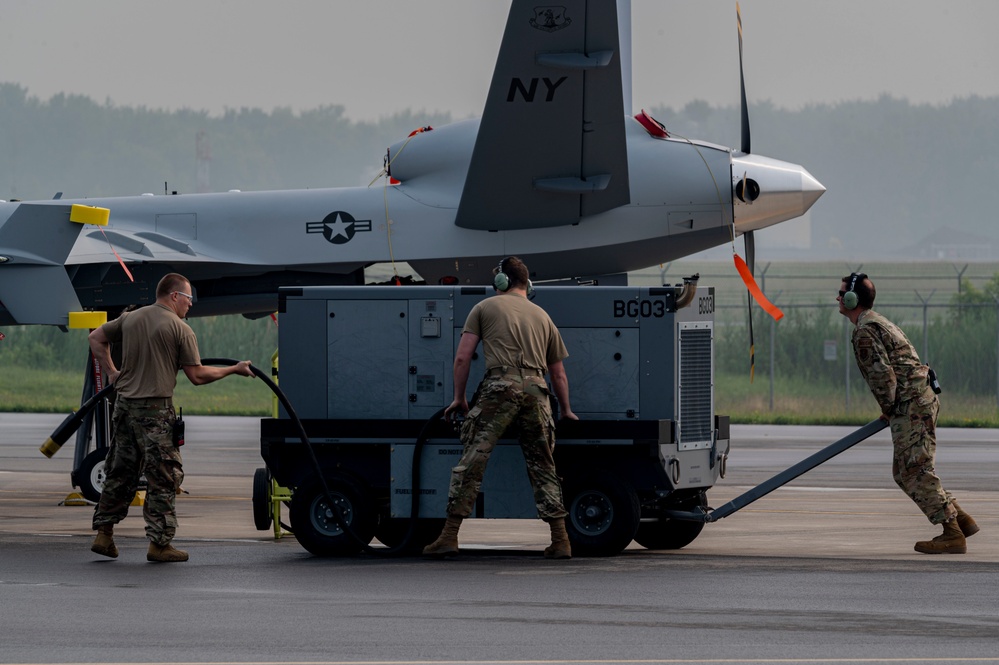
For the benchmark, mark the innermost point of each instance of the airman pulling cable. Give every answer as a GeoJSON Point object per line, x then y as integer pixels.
{"type": "Point", "coordinates": [74, 420]}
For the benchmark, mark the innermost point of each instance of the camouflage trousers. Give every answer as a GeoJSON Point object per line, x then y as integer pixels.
{"type": "Point", "coordinates": [142, 442]}
{"type": "Point", "coordinates": [508, 401]}
{"type": "Point", "coordinates": [913, 435]}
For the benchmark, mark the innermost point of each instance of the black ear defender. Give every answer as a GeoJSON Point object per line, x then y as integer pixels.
{"type": "Point", "coordinates": [850, 298]}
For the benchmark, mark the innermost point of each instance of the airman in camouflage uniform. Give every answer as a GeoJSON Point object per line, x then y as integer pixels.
{"type": "Point", "coordinates": [143, 442]}
{"type": "Point", "coordinates": [901, 385]}
{"type": "Point", "coordinates": [505, 398]}
{"type": "Point", "coordinates": [156, 342]}
{"type": "Point", "coordinates": [521, 345]}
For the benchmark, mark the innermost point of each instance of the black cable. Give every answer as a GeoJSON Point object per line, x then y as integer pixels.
{"type": "Point", "coordinates": [72, 423]}
{"type": "Point", "coordinates": [74, 420]}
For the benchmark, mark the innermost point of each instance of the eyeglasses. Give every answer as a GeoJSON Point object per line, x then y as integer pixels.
{"type": "Point", "coordinates": [842, 293]}
{"type": "Point", "coordinates": [186, 295]}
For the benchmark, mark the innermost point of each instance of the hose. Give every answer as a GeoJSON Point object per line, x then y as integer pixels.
{"type": "Point", "coordinates": [72, 423]}
{"type": "Point", "coordinates": [421, 439]}
{"type": "Point", "coordinates": [686, 295]}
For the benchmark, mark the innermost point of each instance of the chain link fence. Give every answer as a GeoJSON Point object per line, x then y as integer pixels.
{"type": "Point", "coordinates": [811, 345]}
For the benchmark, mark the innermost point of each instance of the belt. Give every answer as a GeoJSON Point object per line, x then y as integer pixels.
{"type": "Point", "coordinates": [148, 401]}
{"type": "Point", "coordinates": [514, 371]}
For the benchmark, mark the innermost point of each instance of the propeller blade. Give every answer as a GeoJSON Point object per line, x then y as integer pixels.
{"type": "Point", "coordinates": [746, 140]}
{"type": "Point", "coordinates": [750, 241]}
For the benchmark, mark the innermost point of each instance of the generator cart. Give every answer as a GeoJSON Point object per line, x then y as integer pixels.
{"type": "Point", "coordinates": [369, 368]}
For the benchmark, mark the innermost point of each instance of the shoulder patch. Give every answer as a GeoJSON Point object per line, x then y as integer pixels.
{"type": "Point", "coordinates": [865, 348]}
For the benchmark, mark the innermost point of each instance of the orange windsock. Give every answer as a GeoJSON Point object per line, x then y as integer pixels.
{"type": "Point", "coordinates": [747, 277]}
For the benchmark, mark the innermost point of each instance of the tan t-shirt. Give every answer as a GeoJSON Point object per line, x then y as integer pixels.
{"type": "Point", "coordinates": [515, 333]}
{"type": "Point", "coordinates": [155, 342]}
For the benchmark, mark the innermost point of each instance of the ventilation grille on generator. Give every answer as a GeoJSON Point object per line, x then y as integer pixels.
{"type": "Point", "coordinates": [696, 423]}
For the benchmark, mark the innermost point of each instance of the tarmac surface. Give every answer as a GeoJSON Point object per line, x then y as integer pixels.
{"type": "Point", "coordinates": [821, 570]}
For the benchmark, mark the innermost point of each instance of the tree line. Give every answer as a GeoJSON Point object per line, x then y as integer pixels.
{"type": "Point", "coordinates": [895, 172]}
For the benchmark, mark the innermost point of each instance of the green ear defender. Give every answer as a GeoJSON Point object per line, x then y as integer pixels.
{"type": "Point", "coordinates": [850, 298]}
{"type": "Point", "coordinates": [500, 281]}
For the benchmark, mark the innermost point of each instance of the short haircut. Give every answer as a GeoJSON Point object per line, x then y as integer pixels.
{"type": "Point", "coordinates": [864, 289]}
{"type": "Point", "coordinates": [515, 270]}
{"type": "Point", "coordinates": [171, 282]}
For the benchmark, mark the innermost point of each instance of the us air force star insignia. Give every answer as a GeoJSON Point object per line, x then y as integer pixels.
{"type": "Point", "coordinates": [338, 227]}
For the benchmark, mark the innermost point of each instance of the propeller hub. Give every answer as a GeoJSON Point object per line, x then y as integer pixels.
{"type": "Point", "coordinates": [782, 191]}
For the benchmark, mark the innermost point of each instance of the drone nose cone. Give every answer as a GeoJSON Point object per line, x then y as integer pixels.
{"type": "Point", "coordinates": [811, 190]}
{"type": "Point", "coordinates": [782, 191]}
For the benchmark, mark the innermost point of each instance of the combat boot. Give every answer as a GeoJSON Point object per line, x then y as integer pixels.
{"type": "Point", "coordinates": [968, 525]}
{"type": "Point", "coordinates": [104, 543]}
{"type": "Point", "coordinates": [165, 553]}
{"type": "Point", "coordinates": [560, 548]}
{"type": "Point", "coordinates": [447, 543]}
{"type": "Point", "coordinates": [951, 541]}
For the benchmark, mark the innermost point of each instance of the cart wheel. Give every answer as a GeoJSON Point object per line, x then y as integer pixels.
{"type": "Point", "coordinates": [262, 508]}
{"type": "Point", "coordinates": [315, 526]}
{"type": "Point", "coordinates": [668, 534]}
{"type": "Point", "coordinates": [92, 474]}
{"type": "Point", "coordinates": [603, 515]}
{"type": "Point", "coordinates": [391, 532]}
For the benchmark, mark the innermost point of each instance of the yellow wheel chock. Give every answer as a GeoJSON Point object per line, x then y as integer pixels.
{"type": "Point", "coordinates": [267, 499]}
{"type": "Point", "coordinates": [279, 495]}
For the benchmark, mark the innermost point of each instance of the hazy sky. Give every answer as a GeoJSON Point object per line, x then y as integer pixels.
{"type": "Point", "coordinates": [376, 57]}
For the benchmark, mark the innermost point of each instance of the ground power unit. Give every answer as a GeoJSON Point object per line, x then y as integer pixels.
{"type": "Point", "coordinates": [368, 371]}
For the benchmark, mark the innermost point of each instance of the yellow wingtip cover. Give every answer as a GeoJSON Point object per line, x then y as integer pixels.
{"type": "Point", "coordinates": [87, 320]}
{"type": "Point", "coordinates": [82, 214]}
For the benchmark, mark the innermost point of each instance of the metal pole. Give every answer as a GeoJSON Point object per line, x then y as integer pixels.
{"type": "Point", "coordinates": [926, 340]}
{"type": "Point", "coordinates": [763, 287]}
{"type": "Point", "coordinates": [926, 336]}
{"type": "Point", "coordinates": [846, 346]}
{"type": "Point", "coordinates": [997, 348]}
{"type": "Point", "coordinates": [960, 274]}
{"type": "Point", "coordinates": [773, 333]}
